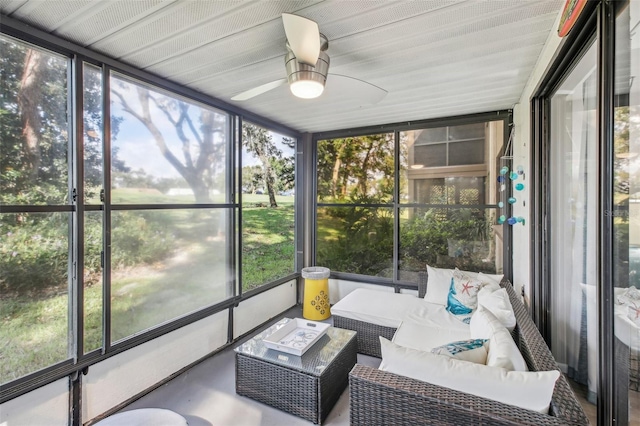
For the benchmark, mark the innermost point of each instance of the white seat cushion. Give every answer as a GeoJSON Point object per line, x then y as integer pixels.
{"type": "Point", "coordinates": [425, 337]}
{"type": "Point", "coordinates": [377, 307]}
{"type": "Point", "coordinates": [530, 390]}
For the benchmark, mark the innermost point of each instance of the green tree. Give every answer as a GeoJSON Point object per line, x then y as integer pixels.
{"type": "Point", "coordinates": [356, 167]}
{"type": "Point", "coordinates": [258, 141]}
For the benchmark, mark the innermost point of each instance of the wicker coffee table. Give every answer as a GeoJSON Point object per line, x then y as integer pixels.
{"type": "Point", "coordinates": [307, 386]}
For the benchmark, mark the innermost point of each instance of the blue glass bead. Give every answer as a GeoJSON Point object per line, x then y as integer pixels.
{"type": "Point", "coordinates": [513, 176]}
{"type": "Point", "coordinates": [512, 200]}
{"type": "Point", "coordinates": [512, 221]}
{"type": "Point", "coordinates": [500, 179]}
{"type": "Point", "coordinates": [519, 186]}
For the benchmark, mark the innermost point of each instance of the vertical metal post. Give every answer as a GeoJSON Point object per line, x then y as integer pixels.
{"type": "Point", "coordinates": [77, 276]}
{"type": "Point", "coordinates": [396, 208]}
{"type": "Point", "coordinates": [237, 229]}
{"type": "Point", "coordinates": [106, 220]}
{"type": "Point", "coordinates": [604, 241]}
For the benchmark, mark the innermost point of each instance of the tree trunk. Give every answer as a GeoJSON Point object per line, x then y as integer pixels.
{"type": "Point", "coordinates": [269, 181]}
{"type": "Point", "coordinates": [29, 98]}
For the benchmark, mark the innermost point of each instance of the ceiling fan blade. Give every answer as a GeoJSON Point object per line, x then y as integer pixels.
{"type": "Point", "coordinates": [248, 94]}
{"type": "Point", "coordinates": [303, 36]}
{"type": "Point", "coordinates": [363, 91]}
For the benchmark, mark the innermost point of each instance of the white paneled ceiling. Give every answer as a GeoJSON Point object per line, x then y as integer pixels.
{"type": "Point", "coordinates": [436, 58]}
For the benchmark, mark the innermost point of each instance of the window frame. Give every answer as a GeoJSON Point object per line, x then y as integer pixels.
{"type": "Point", "coordinates": [79, 361]}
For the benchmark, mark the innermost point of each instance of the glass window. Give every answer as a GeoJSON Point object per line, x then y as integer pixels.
{"type": "Point", "coordinates": [169, 260]}
{"type": "Point", "coordinates": [165, 263]}
{"type": "Point", "coordinates": [626, 214]}
{"type": "Point", "coordinates": [268, 195]}
{"type": "Point", "coordinates": [355, 239]}
{"type": "Point", "coordinates": [165, 149]}
{"type": "Point", "coordinates": [356, 169]}
{"type": "Point", "coordinates": [34, 132]}
{"type": "Point", "coordinates": [93, 220]}
{"type": "Point", "coordinates": [93, 146]}
{"type": "Point", "coordinates": [449, 237]}
{"type": "Point", "coordinates": [34, 247]}
{"type": "Point", "coordinates": [355, 234]}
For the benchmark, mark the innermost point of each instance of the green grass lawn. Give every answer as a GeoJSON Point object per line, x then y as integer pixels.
{"type": "Point", "coordinates": [190, 275]}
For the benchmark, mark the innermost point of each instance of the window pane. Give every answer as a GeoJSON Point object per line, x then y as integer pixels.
{"type": "Point", "coordinates": [93, 169]}
{"type": "Point", "coordinates": [34, 291]}
{"type": "Point", "coordinates": [436, 135]}
{"type": "Point", "coordinates": [166, 263]}
{"type": "Point", "coordinates": [473, 164]}
{"type": "Point", "coordinates": [430, 155]}
{"type": "Point", "coordinates": [92, 280]}
{"type": "Point", "coordinates": [358, 240]}
{"type": "Point", "coordinates": [451, 190]}
{"type": "Point", "coordinates": [268, 191]}
{"type": "Point", "coordinates": [356, 170]}
{"type": "Point", "coordinates": [448, 238]}
{"type": "Point", "coordinates": [468, 152]}
{"type": "Point", "coordinates": [467, 131]}
{"type": "Point", "coordinates": [34, 131]}
{"type": "Point", "coordinates": [165, 149]}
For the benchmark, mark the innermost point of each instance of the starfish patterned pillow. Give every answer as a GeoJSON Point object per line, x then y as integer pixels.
{"type": "Point", "coordinates": [630, 298]}
{"type": "Point", "coordinates": [463, 295]}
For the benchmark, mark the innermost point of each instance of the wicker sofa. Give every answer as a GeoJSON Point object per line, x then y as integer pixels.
{"type": "Point", "coordinates": [382, 398]}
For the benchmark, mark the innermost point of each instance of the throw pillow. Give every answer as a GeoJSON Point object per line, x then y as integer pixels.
{"type": "Point", "coordinates": [438, 281]}
{"type": "Point", "coordinates": [497, 302]}
{"type": "Point", "coordinates": [503, 351]}
{"type": "Point", "coordinates": [529, 390]}
{"type": "Point", "coordinates": [490, 278]}
{"type": "Point", "coordinates": [462, 299]}
{"type": "Point", "coordinates": [474, 350]}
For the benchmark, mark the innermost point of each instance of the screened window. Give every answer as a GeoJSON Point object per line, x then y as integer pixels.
{"type": "Point", "coordinates": [36, 214]}
{"type": "Point", "coordinates": [169, 246]}
{"type": "Point", "coordinates": [268, 207]}
{"type": "Point", "coordinates": [447, 174]}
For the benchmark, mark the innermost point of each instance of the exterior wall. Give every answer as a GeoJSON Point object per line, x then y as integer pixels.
{"type": "Point", "coordinates": [521, 156]}
{"type": "Point", "coordinates": [46, 406]}
{"type": "Point", "coordinates": [123, 376]}
{"type": "Point", "coordinates": [262, 307]}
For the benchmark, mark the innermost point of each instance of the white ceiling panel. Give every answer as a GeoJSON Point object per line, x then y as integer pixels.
{"type": "Point", "coordinates": [435, 57]}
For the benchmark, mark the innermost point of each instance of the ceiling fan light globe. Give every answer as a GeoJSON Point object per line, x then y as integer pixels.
{"type": "Point", "coordinates": [306, 89]}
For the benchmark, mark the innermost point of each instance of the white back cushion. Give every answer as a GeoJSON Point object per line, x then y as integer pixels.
{"type": "Point", "coordinates": [438, 283]}
{"type": "Point", "coordinates": [503, 351]}
{"type": "Point", "coordinates": [530, 390]}
{"type": "Point", "coordinates": [497, 302]}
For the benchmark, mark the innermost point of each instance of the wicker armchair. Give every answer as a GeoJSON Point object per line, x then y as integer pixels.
{"type": "Point", "coordinates": [383, 398]}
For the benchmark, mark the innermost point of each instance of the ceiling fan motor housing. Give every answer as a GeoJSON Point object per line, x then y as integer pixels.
{"type": "Point", "coordinates": [297, 71]}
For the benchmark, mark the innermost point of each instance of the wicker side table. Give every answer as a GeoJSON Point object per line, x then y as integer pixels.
{"type": "Point", "coordinates": [307, 386]}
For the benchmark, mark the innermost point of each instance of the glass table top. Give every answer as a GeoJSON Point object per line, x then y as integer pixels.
{"type": "Point", "coordinates": [314, 361]}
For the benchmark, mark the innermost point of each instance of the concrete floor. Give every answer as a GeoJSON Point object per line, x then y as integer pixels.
{"type": "Point", "coordinates": [205, 395]}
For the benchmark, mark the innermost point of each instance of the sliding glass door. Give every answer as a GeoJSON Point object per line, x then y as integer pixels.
{"type": "Point", "coordinates": [573, 206]}
{"type": "Point", "coordinates": [626, 214]}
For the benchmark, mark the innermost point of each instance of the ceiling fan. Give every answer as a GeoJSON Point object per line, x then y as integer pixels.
{"type": "Point", "coordinates": [307, 66]}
